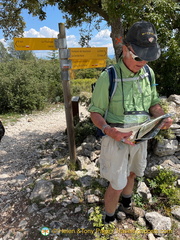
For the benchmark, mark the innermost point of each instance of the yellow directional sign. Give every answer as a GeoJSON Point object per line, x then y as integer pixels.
{"type": "Point", "coordinates": [85, 63]}
{"type": "Point", "coordinates": [34, 44]}
{"type": "Point", "coordinates": [88, 53]}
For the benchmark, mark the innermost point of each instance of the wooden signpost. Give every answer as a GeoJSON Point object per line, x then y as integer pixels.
{"type": "Point", "coordinates": [72, 58]}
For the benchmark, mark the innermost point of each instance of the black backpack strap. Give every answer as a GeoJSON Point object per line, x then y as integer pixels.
{"type": "Point", "coordinates": [149, 73]}
{"type": "Point", "coordinates": [111, 72]}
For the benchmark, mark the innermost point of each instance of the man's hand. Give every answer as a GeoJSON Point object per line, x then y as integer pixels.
{"type": "Point", "coordinates": [167, 123]}
{"type": "Point", "coordinates": [157, 111]}
{"type": "Point", "coordinates": [118, 136]}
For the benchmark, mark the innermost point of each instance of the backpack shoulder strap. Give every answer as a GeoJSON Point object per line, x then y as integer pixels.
{"type": "Point", "coordinates": [112, 83]}
{"type": "Point", "coordinates": [146, 67]}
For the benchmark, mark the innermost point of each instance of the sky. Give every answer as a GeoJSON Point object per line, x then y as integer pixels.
{"type": "Point", "coordinates": [49, 29]}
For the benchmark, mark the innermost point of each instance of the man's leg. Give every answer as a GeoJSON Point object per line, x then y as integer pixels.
{"type": "Point", "coordinates": [111, 199]}
{"type": "Point", "coordinates": [128, 191]}
{"type": "Point", "coordinates": [130, 184]}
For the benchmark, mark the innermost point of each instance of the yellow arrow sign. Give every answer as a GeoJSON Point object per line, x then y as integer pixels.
{"type": "Point", "coordinates": [85, 63]}
{"type": "Point", "coordinates": [88, 53]}
{"type": "Point", "coordinates": [23, 44]}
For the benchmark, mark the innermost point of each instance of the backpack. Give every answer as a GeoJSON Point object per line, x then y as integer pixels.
{"type": "Point", "coordinates": [113, 85]}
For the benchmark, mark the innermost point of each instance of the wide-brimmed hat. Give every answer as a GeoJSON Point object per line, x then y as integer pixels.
{"type": "Point", "coordinates": [142, 37]}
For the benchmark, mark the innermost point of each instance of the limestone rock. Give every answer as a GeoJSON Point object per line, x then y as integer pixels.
{"type": "Point", "coordinates": [160, 224]}
{"type": "Point", "coordinates": [42, 190]}
{"type": "Point", "coordinates": [59, 172]}
{"type": "Point", "coordinates": [144, 191]}
{"type": "Point", "coordinates": [167, 147]}
{"type": "Point", "coordinates": [176, 212]}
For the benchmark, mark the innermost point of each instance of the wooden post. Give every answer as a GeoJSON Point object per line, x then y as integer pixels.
{"type": "Point", "coordinates": [65, 76]}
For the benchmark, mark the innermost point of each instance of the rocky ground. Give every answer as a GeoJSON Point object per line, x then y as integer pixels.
{"type": "Point", "coordinates": [38, 189]}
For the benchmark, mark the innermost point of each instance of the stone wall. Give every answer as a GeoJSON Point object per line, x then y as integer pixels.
{"type": "Point", "coordinates": [166, 154]}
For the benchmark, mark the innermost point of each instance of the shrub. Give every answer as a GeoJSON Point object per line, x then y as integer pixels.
{"type": "Point", "coordinates": [81, 85]}
{"type": "Point", "coordinates": [163, 185]}
{"type": "Point", "coordinates": [28, 85]}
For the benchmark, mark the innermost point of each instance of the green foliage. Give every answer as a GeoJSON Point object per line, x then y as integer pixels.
{"type": "Point", "coordinates": [28, 85]}
{"type": "Point", "coordinates": [165, 105]}
{"type": "Point", "coordinates": [103, 231]}
{"type": "Point", "coordinates": [11, 22]}
{"type": "Point", "coordinates": [81, 85]}
{"type": "Point", "coordinates": [138, 199]}
{"type": "Point", "coordinates": [164, 186]}
{"type": "Point", "coordinates": [4, 55]}
{"type": "Point", "coordinates": [96, 216]}
{"type": "Point", "coordinates": [87, 73]}
{"type": "Point", "coordinates": [84, 129]}
{"type": "Point", "coordinates": [167, 133]}
{"type": "Point", "coordinates": [92, 72]}
{"type": "Point", "coordinates": [167, 69]}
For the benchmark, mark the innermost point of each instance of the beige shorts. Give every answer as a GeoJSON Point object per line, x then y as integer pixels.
{"type": "Point", "coordinates": [118, 159]}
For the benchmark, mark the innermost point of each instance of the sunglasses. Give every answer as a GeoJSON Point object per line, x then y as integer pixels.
{"type": "Point", "coordinates": [135, 57]}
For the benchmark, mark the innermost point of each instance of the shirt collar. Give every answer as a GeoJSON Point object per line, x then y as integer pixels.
{"type": "Point", "coordinates": [126, 72]}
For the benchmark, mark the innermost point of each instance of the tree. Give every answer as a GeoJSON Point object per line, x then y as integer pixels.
{"type": "Point", "coordinates": [53, 55]}
{"type": "Point", "coordinates": [119, 15]}
{"type": "Point", "coordinates": [4, 55]}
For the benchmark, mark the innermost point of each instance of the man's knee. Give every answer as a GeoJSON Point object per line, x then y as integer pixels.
{"type": "Point", "coordinates": [132, 175]}
{"type": "Point", "coordinates": [114, 190]}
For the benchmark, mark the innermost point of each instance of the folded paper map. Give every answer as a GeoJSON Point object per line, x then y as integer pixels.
{"type": "Point", "coordinates": [147, 130]}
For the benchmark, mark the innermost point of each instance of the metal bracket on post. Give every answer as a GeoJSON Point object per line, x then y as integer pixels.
{"type": "Point", "coordinates": [64, 53]}
{"type": "Point", "coordinates": [60, 43]}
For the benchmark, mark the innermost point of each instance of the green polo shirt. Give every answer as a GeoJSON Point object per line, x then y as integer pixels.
{"type": "Point", "coordinates": [139, 95]}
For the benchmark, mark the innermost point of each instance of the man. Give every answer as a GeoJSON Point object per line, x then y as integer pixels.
{"type": "Point", "coordinates": [121, 160]}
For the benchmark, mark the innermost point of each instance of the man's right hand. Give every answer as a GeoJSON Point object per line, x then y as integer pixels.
{"type": "Point", "coordinates": [117, 135]}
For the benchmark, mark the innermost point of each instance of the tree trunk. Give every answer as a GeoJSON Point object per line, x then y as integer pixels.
{"type": "Point", "coordinates": [117, 35]}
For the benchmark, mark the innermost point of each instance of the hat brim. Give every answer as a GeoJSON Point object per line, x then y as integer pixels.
{"type": "Point", "coordinates": [147, 54]}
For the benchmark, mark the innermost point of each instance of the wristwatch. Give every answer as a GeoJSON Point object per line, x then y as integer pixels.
{"type": "Point", "coordinates": [103, 128]}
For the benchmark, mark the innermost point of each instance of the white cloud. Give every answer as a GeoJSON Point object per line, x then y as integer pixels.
{"type": "Point", "coordinates": [4, 42]}
{"type": "Point", "coordinates": [48, 32]}
{"type": "Point", "coordinates": [72, 41]}
{"type": "Point", "coordinates": [103, 39]}
{"type": "Point", "coordinates": [32, 33]}
{"type": "Point", "coordinates": [43, 32]}
{"type": "Point", "coordinates": [103, 34]}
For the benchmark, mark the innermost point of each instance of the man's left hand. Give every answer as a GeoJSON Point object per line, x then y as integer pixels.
{"type": "Point", "coordinates": [167, 123]}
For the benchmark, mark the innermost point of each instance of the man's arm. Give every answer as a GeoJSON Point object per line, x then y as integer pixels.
{"type": "Point", "coordinates": [100, 122]}
{"type": "Point", "coordinates": [157, 111]}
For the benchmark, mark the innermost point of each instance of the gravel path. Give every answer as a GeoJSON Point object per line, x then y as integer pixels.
{"type": "Point", "coordinates": [18, 147]}
{"type": "Point", "coordinates": [19, 151]}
